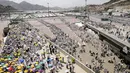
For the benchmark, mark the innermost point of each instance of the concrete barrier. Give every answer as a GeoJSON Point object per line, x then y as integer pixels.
{"type": "Point", "coordinates": [85, 68]}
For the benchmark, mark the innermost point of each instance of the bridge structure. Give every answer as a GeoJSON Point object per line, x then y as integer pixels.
{"type": "Point", "coordinates": [118, 46]}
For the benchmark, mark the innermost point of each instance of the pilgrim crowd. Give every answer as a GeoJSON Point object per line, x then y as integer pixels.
{"type": "Point", "coordinates": [24, 50]}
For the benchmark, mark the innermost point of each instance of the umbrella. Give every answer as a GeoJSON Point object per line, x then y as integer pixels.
{"type": "Point", "coordinates": [6, 64]}
{"type": "Point", "coordinates": [36, 62]}
{"type": "Point", "coordinates": [26, 71]}
{"type": "Point", "coordinates": [0, 69]}
{"type": "Point", "coordinates": [50, 65]}
{"type": "Point", "coordinates": [21, 60]}
{"type": "Point", "coordinates": [32, 66]}
{"type": "Point", "coordinates": [49, 60]}
{"type": "Point", "coordinates": [40, 71]}
{"type": "Point", "coordinates": [13, 63]}
{"type": "Point", "coordinates": [10, 69]}
{"type": "Point", "coordinates": [22, 33]}
{"type": "Point", "coordinates": [28, 67]}
{"type": "Point", "coordinates": [22, 65]}
{"type": "Point", "coordinates": [2, 64]}
{"type": "Point", "coordinates": [66, 71]}
{"type": "Point", "coordinates": [57, 54]}
{"type": "Point", "coordinates": [15, 54]}
{"type": "Point", "coordinates": [60, 59]}
{"type": "Point", "coordinates": [31, 70]}
{"type": "Point", "coordinates": [19, 67]}
{"type": "Point", "coordinates": [19, 71]}
{"type": "Point", "coordinates": [2, 59]}
{"type": "Point", "coordinates": [38, 67]}
{"type": "Point", "coordinates": [22, 38]}
{"type": "Point", "coordinates": [34, 69]}
{"type": "Point", "coordinates": [16, 59]}
{"type": "Point", "coordinates": [41, 63]}
{"type": "Point", "coordinates": [5, 59]}
{"type": "Point", "coordinates": [44, 61]}
{"type": "Point", "coordinates": [9, 58]}
{"type": "Point", "coordinates": [19, 54]}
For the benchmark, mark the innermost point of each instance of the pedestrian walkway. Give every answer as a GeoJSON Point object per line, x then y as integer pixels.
{"type": "Point", "coordinates": [58, 23]}
{"type": "Point", "coordinates": [77, 68]}
{"type": "Point", "coordinates": [43, 29]}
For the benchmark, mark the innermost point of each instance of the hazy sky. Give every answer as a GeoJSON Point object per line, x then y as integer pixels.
{"type": "Point", "coordinates": [63, 3]}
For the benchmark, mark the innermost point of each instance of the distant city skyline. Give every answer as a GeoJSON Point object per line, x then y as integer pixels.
{"type": "Point", "coordinates": [62, 3]}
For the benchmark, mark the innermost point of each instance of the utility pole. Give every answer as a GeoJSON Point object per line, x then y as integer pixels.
{"type": "Point", "coordinates": [86, 9]}
{"type": "Point", "coordinates": [48, 9]}
{"type": "Point", "coordinates": [86, 17]}
{"type": "Point", "coordinates": [9, 13]}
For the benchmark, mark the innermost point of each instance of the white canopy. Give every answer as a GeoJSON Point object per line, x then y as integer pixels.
{"type": "Point", "coordinates": [79, 24]}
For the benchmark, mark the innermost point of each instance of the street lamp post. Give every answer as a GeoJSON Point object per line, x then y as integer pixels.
{"type": "Point", "coordinates": [86, 9]}
{"type": "Point", "coordinates": [48, 9]}
{"type": "Point", "coordinates": [86, 14]}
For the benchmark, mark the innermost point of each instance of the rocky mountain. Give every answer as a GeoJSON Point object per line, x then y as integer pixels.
{"type": "Point", "coordinates": [8, 3]}
{"type": "Point", "coordinates": [111, 1]}
{"type": "Point", "coordinates": [116, 3]}
{"type": "Point", "coordinates": [6, 8]}
{"type": "Point", "coordinates": [27, 6]}
{"type": "Point", "coordinates": [111, 4]}
{"type": "Point", "coordinates": [23, 5]}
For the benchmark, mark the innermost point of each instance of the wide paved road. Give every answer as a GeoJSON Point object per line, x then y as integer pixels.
{"type": "Point", "coordinates": [121, 20]}
{"type": "Point", "coordinates": [58, 23]}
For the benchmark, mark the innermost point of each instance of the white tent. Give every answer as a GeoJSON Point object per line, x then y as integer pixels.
{"type": "Point", "coordinates": [79, 24]}
{"type": "Point", "coordinates": [89, 31]}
